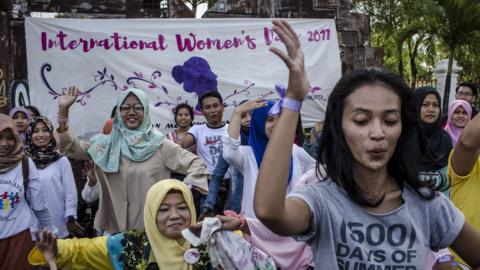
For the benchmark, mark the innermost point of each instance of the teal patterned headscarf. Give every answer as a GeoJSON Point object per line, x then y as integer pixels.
{"type": "Point", "coordinates": [133, 144]}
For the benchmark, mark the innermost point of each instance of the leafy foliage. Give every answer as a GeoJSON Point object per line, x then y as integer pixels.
{"type": "Point", "coordinates": [422, 32]}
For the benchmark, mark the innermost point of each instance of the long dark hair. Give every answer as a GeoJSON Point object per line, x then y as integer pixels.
{"type": "Point", "coordinates": [335, 155]}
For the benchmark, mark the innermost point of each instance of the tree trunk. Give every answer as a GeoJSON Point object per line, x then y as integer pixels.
{"type": "Point", "coordinates": [194, 10]}
{"type": "Point", "coordinates": [448, 79]}
{"type": "Point", "coordinates": [413, 55]}
{"type": "Point", "coordinates": [400, 58]}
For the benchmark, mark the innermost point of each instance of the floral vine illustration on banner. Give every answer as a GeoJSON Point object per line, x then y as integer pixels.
{"type": "Point", "coordinates": [195, 76]}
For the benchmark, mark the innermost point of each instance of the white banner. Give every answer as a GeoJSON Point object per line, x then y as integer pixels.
{"type": "Point", "coordinates": [174, 61]}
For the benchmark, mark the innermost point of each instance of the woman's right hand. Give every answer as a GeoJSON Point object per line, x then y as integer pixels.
{"type": "Point", "coordinates": [67, 98]}
{"type": "Point", "coordinates": [251, 105]}
{"type": "Point", "coordinates": [90, 173]}
{"type": "Point", "coordinates": [47, 243]}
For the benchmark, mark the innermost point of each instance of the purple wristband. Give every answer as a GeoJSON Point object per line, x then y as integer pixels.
{"type": "Point", "coordinates": [292, 104]}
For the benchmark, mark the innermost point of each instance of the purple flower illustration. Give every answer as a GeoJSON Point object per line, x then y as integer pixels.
{"type": "Point", "coordinates": [196, 76]}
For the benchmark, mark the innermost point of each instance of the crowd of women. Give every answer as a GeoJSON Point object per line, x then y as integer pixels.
{"type": "Point", "coordinates": [384, 183]}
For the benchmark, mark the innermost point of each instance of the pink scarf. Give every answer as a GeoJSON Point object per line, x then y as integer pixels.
{"type": "Point", "coordinates": [452, 130]}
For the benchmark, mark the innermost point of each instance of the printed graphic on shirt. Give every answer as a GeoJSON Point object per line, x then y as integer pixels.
{"type": "Point", "coordinates": [362, 247]}
{"type": "Point", "coordinates": [9, 199]}
{"type": "Point", "coordinates": [215, 147]}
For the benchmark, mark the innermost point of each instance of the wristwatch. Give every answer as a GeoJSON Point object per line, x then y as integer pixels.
{"type": "Point", "coordinates": [207, 210]}
{"type": "Point", "coordinates": [71, 219]}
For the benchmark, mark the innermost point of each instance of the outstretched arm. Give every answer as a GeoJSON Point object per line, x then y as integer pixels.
{"type": "Point", "coordinates": [283, 216]}
{"type": "Point", "coordinates": [467, 245]}
{"type": "Point", "coordinates": [236, 121]}
{"type": "Point", "coordinates": [467, 150]}
{"type": "Point", "coordinates": [47, 243]}
{"type": "Point", "coordinates": [65, 101]}
{"type": "Point", "coordinates": [76, 253]}
{"type": "Point", "coordinates": [187, 141]}
{"type": "Point", "coordinates": [68, 144]}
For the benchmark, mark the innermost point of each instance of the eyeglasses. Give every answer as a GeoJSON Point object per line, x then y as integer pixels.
{"type": "Point", "coordinates": [137, 108]}
{"type": "Point", "coordinates": [464, 94]}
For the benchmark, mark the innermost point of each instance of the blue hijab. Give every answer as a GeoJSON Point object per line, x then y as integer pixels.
{"type": "Point", "coordinates": [133, 144]}
{"type": "Point", "coordinates": [258, 139]}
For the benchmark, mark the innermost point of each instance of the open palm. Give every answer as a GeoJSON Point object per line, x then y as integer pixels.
{"type": "Point", "coordinates": [68, 97]}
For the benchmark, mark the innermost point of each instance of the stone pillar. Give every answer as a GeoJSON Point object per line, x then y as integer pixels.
{"type": "Point", "coordinates": [5, 65]}
{"type": "Point", "coordinates": [441, 75]}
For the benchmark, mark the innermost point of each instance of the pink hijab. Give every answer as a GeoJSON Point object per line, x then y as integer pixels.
{"type": "Point", "coordinates": [452, 130]}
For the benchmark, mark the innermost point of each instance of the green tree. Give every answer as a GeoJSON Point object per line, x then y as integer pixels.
{"type": "Point", "coordinates": [457, 22]}
{"type": "Point", "coordinates": [396, 25]}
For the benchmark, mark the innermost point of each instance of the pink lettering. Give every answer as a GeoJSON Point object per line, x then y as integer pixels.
{"type": "Point", "coordinates": [161, 43]}
{"type": "Point", "coordinates": [187, 44]}
{"type": "Point", "coordinates": [193, 43]}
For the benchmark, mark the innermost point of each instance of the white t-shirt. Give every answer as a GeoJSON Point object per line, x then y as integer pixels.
{"type": "Point", "coordinates": [60, 193]}
{"type": "Point", "coordinates": [209, 143]}
{"type": "Point", "coordinates": [16, 214]}
{"type": "Point", "coordinates": [242, 158]}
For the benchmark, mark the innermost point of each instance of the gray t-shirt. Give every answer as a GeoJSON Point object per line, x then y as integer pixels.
{"type": "Point", "coordinates": [345, 236]}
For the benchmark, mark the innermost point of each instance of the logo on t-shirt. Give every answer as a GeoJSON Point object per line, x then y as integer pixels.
{"type": "Point", "coordinates": [215, 147]}
{"type": "Point", "coordinates": [362, 246]}
{"type": "Point", "coordinates": [209, 140]}
{"type": "Point", "coordinates": [9, 199]}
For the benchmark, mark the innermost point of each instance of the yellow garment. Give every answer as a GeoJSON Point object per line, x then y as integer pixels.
{"type": "Point", "coordinates": [77, 254]}
{"type": "Point", "coordinates": [465, 192]}
{"type": "Point", "coordinates": [166, 252]}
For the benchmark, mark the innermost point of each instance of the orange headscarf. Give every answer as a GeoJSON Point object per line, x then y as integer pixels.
{"type": "Point", "coordinates": [11, 159]}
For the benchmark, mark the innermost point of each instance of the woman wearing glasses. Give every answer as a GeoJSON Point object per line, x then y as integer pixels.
{"type": "Point", "coordinates": [129, 160]}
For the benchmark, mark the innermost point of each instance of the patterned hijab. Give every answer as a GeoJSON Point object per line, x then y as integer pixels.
{"type": "Point", "coordinates": [452, 130]}
{"type": "Point", "coordinates": [166, 252]}
{"type": "Point", "coordinates": [42, 157]}
{"type": "Point", "coordinates": [10, 160]}
{"type": "Point", "coordinates": [133, 144]}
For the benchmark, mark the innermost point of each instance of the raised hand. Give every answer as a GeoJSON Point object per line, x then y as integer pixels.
{"type": "Point", "coordinates": [298, 83]}
{"type": "Point", "coordinates": [90, 173]}
{"type": "Point", "coordinates": [47, 243]}
{"type": "Point", "coordinates": [251, 105]}
{"type": "Point", "coordinates": [68, 97]}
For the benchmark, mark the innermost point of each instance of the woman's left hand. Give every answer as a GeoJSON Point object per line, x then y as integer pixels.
{"type": "Point", "coordinates": [228, 224]}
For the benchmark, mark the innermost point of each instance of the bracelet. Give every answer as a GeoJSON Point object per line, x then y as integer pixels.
{"type": "Point", "coordinates": [231, 213]}
{"type": "Point", "coordinates": [445, 258]}
{"type": "Point", "coordinates": [291, 104]}
{"type": "Point", "coordinates": [61, 119]}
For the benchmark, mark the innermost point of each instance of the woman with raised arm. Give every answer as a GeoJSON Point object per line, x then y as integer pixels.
{"type": "Point", "coordinates": [371, 210]}
{"type": "Point", "coordinates": [287, 253]}
{"type": "Point", "coordinates": [129, 160]}
{"type": "Point", "coordinates": [464, 172]}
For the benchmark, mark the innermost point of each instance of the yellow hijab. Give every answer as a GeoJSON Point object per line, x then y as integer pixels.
{"type": "Point", "coordinates": [166, 252]}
